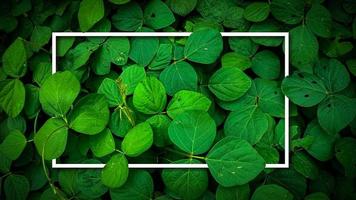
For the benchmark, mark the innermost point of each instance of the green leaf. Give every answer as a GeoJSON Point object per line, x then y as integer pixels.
{"type": "Point", "coordinates": [204, 46]}
{"type": "Point", "coordinates": [138, 140]}
{"type": "Point", "coordinates": [303, 46]}
{"type": "Point", "coordinates": [304, 89]}
{"type": "Point", "coordinates": [243, 45]}
{"type": "Point", "coordinates": [256, 12]}
{"type": "Point", "coordinates": [336, 112]}
{"type": "Point", "coordinates": [266, 64]}
{"type": "Point", "coordinates": [51, 139]}
{"type": "Point", "coordinates": [193, 131]}
{"type": "Point", "coordinates": [333, 73]}
{"type": "Point", "coordinates": [248, 123]}
{"type": "Point", "coordinates": [64, 44]}
{"type": "Point", "coordinates": [32, 103]}
{"type": "Point", "coordinates": [13, 145]}
{"type": "Point", "coordinates": [12, 96]}
{"type": "Point", "coordinates": [183, 7]}
{"type": "Point", "coordinates": [271, 191]}
{"type": "Point", "coordinates": [90, 115]}
{"type": "Point", "coordinates": [143, 56]}
{"type": "Point", "coordinates": [185, 100]}
{"type": "Point", "coordinates": [268, 25]}
{"type": "Point", "coordinates": [115, 172]}
{"type": "Point", "coordinates": [79, 55]}
{"type": "Point", "coordinates": [229, 83]}
{"type": "Point", "coordinates": [14, 59]}
{"type": "Point", "coordinates": [132, 76]}
{"type": "Point", "coordinates": [303, 164]}
{"type": "Point", "coordinates": [234, 18]}
{"type": "Point", "coordinates": [234, 161]}
{"type": "Point", "coordinates": [163, 57]}
{"type": "Point", "coordinates": [157, 15]}
{"type": "Point", "coordinates": [288, 11]}
{"type": "Point", "coordinates": [179, 76]}
{"type": "Point", "coordinates": [118, 48]}
{"type": "Point", "coordinates": [139, 186]}
{"type": "Point", "coordinates": [102, 144]}
{"type": "Point", "coordinates": [90, 12]}
{"type": "Point", "coordinates": [159, 125]}
{"type": "Point", "coordinates": [128, 17]}
{"type": "Point", "coordinates": [150, 96]}
{"type": "Point", "coordinates": [323, 144]}
{"type": "Point", "coordinates": [345, 154]}
{"type": "Point", "coordinates": [186, 183]}
{"type": "Point", "coordinates": [316, 196]}
{"type": "Point", "coordinates": [16, 187]}
{"type": "Point", "coordinates": [233, 193]}
{"type": "Point", "coordinates": [109, 88]}
{"type": "Point", "coordinates": [119, 123]}
{"type": "Point", "coordinates": [40, 37]}
{"type": "Point", "coordinates": [319, 20]}
{"type": "Point", "coordinates": [58, 93]}
{"type": "Point", "coordinates": [233, 59]}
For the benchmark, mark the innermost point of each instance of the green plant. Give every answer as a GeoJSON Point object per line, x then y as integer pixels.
{"type": "Point", "coordinates": [184, 100]}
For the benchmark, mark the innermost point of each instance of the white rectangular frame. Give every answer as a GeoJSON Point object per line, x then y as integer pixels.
{"type": "Point", "coordinates": [285, 35]}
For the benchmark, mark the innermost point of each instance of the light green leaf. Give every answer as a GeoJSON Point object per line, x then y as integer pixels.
{"type": "Point", "coordinates": [51, 139]}
{"type": "Point", "coordinates": [128, 17]}
{"type": "Point", "coordinates": [257, 11]}
{"type": "Point", "coordinates": [138, 140]}
{"type": "Point", "coordinates": [204, 46]}
{"type": "Point", "coordinates": [13, 144]}
{"type": "Point", "coordinates": [115, 172]}
{"type": "Point", "coordinates": [248, 123]}
{"type": "Point", "coordinates": [229, 83]}
{"type": "Point", "coordinates": [90, 12]}
{"type": "Point", "coordinates": [179, 76]}
{"type": "Point", "coordinates": [150, 96]}
{"type": "Point", "coordinates": [58, 92]}
{"type": "Point", "coordinates": [132, 76]}
{"type": "Point", "coordinates": [109, 88]}
{"type": "Point", "coordinates": [304, 89]}
{"type": "Point", "coordinates": [14, 59]}
{"type": "Point", "coordinates": [234, 161]}
{"type": "Point", "coordinates": [233, 59]}
{"type": "Point", "coordinates": [157, 15]}
{"type": "Point", "coordinates": [319, 20]}
{"type": "Point", "coordinates": [185, 100]}
{"type": "Point", "coordinates": [90, 115]}
{"type": "Point", "coordinates": [193, 131]}
{"type": "Point", "coordinates": [266, 64]}
{"type": "Point", "coordinates": [102, 144]}
{"type": "Point", "coordinates": [16, 187]}
{"type": "Point", "coordinates": [271, 191]}
{"type": "Point", "coordinates": [12, 96]}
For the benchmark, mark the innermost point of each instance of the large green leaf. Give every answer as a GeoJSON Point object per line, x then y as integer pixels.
{"type": "Point", "coordinates": [16, 187]}
{"type": "Point", "coordinates": [128, 17]}
{"type": "Point", "coordinates": [193, 131]}
{"type": "Point", "coordinates": [139, 186]}
{"type": "Point", "coordinates": [90, 12]}
{"type": "Point", "coordinates": [185, 100]}
{"type": "Point", "coordinates": [150, 96]}
{"type": "Point", "coordinates": [179, 76]}
{"type": "Point", "coordinates": [143, 56]}
{"type": "Point", "coordinates": [58, 93]}
{"type": "Point", "coordinates": [248, 123]}
{"type": "Point", "coordinates": [14, 59]}
{"type": "Point", "coordinates": [51, 139]}
{"type": "Point", "coordinates": [271, 191]}
{"type": "Point", "coordinates": [319, 20]}
{"type": "Point", "coordinates": [243, 45]}
{"type": "Point", "coordinates": [138, 140]}
{"type": "Point", "coordinates": [288, 11]}
{"type": "Point", "coordinates": [229, 83]}
{"type": "Point", "coordinates": [13, 145]}
{"type": "Point", "coordinates": [90, 115]}
{"type": "Point", "coordinates": [203, 46]}
{"type": "Point", "coordinates": [304, 89]}
{"type": "Point", "coordinates": [12, 96]}
{"type": "Point", "coordinates": [102, 144]}
{"type": "Point", "coordinates": [234, 161]}
{"type": "Point", "coordinates": [186, 183]}
{"type": "Point", "coordinates": [157, 15]}
{"type": "Point", "coordinates": [115, 172]}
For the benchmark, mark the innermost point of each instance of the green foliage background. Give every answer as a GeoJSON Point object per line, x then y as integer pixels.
{"type": "Point", "coordinates": [188, 100]}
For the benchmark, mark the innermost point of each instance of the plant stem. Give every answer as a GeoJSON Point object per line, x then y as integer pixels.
{"type": "Point", "coordinates": [184, 154]}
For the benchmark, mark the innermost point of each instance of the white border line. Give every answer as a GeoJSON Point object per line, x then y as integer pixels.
{"type": "Point", "coordinates": [285, 35]}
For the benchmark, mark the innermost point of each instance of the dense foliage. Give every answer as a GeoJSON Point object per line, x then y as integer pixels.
{"type": "Point", "coordinates": [183, 100]}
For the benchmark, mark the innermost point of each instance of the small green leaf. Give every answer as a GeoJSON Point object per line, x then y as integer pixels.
{"type": "Point", "coordinates": [229, 83]}
{"type": "Point", "coordinates": [12, 96]}
{"type": "Point", "coordinates": [266, 65]}
{"type": "Point", "coordinates": [234, 161]}
{"type": "Point", "coordinates": [40, 37]}
{"type": "Point", "coordinates": [193, 131]}
{"type": "Point", "coordinates": [243, 45]}
{"type": "Point", "coordinates": [319, 20]}
{"type": "Point", "coordinates": [90, 12]}
{"type": "Point", "coordinates": [109, 88]}
{"type": "Point", "coordinates": [345, 150]}
{"type": "Point", "coordinates": [159, 125]}
{"type": "Point", "coordinates": [204, 46]}
{"type": "Point", "coordinates": [132, 76]}
{"type": "Point", "coordinates": [16, 187]}
{"type": "Point", "coordinates": [64, 44]}
{"type": "Point", "coordinates": [256, 12]}
{"type": "Point", "coordinates": [182, 7]}
{"type": "Point", "coordinates": [128, 17]}
{"type": "Point", "coordinates": [288, 11]}
{"type": "Point", "coordinates": [13, 144]}
{"type": "Point", "coordinates": [115, 172]}
{"type": "Point", "coordinates": [51, 139]}
{"type": "Point", "coordinates": [143, 56]}
{"type": "Point", "coordinates": [102, 144]}
{"type": "Point", "coordinates": [14, 59]}
{"type": "Point", "coordinates": [150, 96]}
{"type": "Point", "coordinates": [163, 57]}
{"type": "Point", "coordinates": [157, 15]}
{"type": "Point", "coordinates": [90, 115]}
{"type": "Point", "coordinates": [233, 59]}
{"type": "Point", "coordinates": [138, 140]}
{"type": "Point", "coordinates": [271, 191]}
{"type": "Point", "coordinates": [58, 93]}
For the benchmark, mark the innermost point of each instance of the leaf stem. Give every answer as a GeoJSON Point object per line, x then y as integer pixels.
{"type": "Point", "coordinates": [185, 154]}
